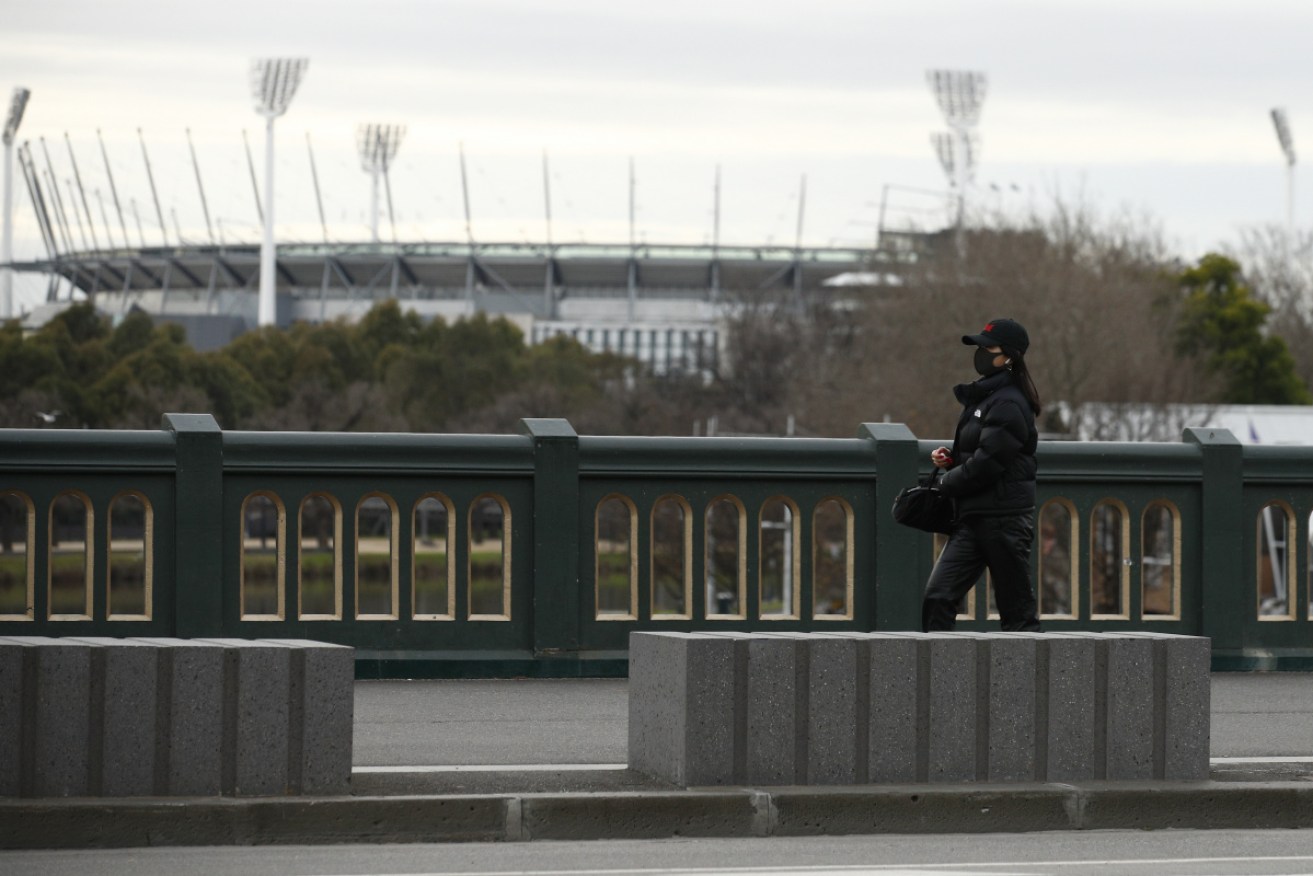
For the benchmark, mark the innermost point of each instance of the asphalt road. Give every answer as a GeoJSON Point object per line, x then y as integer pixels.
{"type": "Point", "coordinates": [1106, 853]}
{"type": "Point", "coordinates": [413, 723]}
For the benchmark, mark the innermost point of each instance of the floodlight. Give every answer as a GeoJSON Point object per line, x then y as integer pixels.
{"type": "Point", "coordinates": [17, 104]}
{"type": "Point", "coordinates": [273, 83]}
{"type": "Point", "coordinates": [959, 94]}
{"type": "Point", "coordinates": [1283, 134]}
{"type": "Point", "coordinates": [943, 144]}
{"type": "Point", "coordinates": [1287, 142]}
{"type": "Point", "coordinates": [378, 145]}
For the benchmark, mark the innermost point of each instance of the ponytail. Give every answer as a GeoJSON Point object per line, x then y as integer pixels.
{"type": "Point", "coordinates": [1021, 376]}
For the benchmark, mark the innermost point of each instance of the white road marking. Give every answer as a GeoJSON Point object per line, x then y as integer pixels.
{"type": "Point", "coordinates": [1261, 760]}
{"type": "Point", "coordinates": [1000, 868]}
{"type": "Point", "coordinates": [494, 768]}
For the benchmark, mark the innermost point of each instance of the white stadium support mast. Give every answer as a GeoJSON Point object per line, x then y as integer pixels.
{"type": "Point", "coordinates": [378, 145]}
{"type": "Point", "coordinates": [16, 106]}
{"type": "Point", "coordinates": [959, 94]}
{"type": "Point", "coordinates": [1282, 124]}
{"type": "Point", "coordinates": [273, 83]}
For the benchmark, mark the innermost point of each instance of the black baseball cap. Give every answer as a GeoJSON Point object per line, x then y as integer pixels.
{"type": "Point", "coordinates": [1001, 333]}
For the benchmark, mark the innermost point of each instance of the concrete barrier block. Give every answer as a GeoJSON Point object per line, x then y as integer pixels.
{"type": "Point", "coordinates": [321, 712]}
{"type": "Point", "coordinates": [894, 733]}
{"type": "Point", "coordinates": [57, 718]}
{"type": "Point", "coordinates": [835, 729]}
{"type": "Point", "coordinates": [682, 711]}
{"type": "Point", "coordinates": [191, 700]}
{"type": "Point", "coordinates": [1069, 749]}
{"type": "Point", "coordinates": [124, 697]}
{"type": "Point", "coordinates": [951, 732]}
{"type": "Point", "coordinates": [657, 692]}
{"type": "Point", "coordinates": [16, 751]}
{"type": "Point", "coordinates": [1010, 750]}
{"type": "Point", "coordinates": [1130, 708]}
{"type": "Point", "coordinates": [257, 678]}
{"type": "Point", "coordinates": [1182, 700]}
{"type": "Point", "coordinates": [776, 710]}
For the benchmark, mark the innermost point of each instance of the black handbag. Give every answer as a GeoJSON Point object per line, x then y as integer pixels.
{"type": "Point", "coordinates": [924, 507]}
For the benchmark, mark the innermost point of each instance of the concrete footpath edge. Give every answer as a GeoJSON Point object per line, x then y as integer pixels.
{"type": "Point", "coordinates": [733, 812]}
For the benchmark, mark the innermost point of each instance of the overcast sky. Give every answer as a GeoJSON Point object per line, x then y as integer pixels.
{"type": "Point", "coordinates": [1156, 107]}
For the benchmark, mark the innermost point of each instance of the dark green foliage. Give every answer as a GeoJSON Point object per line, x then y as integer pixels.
{"type": "Point", "coordinates": [1221, 321]}
{"type": "Point", "coordinates": [390, 371]}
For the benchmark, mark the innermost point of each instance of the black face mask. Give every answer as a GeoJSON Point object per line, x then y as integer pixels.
{"type": "Point", "coordinates": [985, 362]}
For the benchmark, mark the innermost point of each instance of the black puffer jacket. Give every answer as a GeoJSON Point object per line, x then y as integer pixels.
{"type": "Point", "coordinates": [993, 470]}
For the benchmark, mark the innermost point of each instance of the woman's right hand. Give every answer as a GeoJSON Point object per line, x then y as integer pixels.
{"type": "Point", "coordinates": [941, 457]}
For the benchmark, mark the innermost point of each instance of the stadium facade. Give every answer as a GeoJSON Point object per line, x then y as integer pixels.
{"type": "Point", "coordinates": [665, 305]}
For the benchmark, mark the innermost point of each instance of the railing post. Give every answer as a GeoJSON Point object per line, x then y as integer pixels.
{"type": "Point", "coordinates": [897, 588]}
{"type": "Point", "coordinates": [198, 582]}
{"type": "Point", "coordinates": [556, 593]}
{"type": "Point", "coordinates": [1222, 593]}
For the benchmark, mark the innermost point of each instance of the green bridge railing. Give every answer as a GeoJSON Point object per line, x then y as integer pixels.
{"type": "Point", "coordinates": [538, 553]}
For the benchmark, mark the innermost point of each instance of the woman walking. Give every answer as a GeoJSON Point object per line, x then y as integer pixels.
{"type": "Point", "coordinates": [990, 475]}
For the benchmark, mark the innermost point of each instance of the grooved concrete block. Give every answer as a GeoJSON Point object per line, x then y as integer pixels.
{"type": "Point", "coordinates": [257, 715]}
{"type": "Point", "coordinates": [191, 695]}
{"type": "Point", "coordinates": [321, 698]}
{"type": "Point", "coordinates": [13, 753]}
{"type": "Point", "coordinates": [776, 711]}
{"type": "Point", "coordinates": [1011, 747]}
{"type": "Point", "coordinates": [1182, 700]}
{"type": "Point", "coordinates": [125, 706]}
{"type": "Point", "coordinates": [951, 732]}
{"type": "Point", "coordinates": [894, 734]}
{"type": "Point", "coordinates": [682, 708]}
{"type": "Point", "coordinates": [1069, 752]}
{"type": "Point", "coordinates": [833, 732]}
{"type": "Point", "coordinates": [1130, 708]}
{"type": "Point", "coordinates": [56, 718]}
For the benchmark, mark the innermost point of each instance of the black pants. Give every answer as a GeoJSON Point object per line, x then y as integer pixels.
{"type": "Point", "coordinates": [1001, 544]}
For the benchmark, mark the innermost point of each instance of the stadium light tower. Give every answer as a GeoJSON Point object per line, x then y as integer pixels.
{"type": "Point", "coordinates": [378, 145]}
{"type": "Point", "coordinates": [1288, 148]}
{"type": "Point", "coordinates": [273, 83]}
{"type": "Point", "coordinates": [16, 106]}
{"type": "Point", "coordinates": [959, 95]}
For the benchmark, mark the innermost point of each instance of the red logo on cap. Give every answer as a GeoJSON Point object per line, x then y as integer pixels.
{"type": "Point", "coordinates": [988, 328]}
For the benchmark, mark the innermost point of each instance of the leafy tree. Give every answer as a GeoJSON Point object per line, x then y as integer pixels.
{"type": "Point", "coordinates": [1221, 320]}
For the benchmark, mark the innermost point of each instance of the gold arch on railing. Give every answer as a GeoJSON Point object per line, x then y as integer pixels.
{"type": "Point", "coordinates": [131, 557]}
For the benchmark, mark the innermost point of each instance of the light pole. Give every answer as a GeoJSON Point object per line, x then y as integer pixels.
{"type": "Point", "coordinates": [16, 106]}
{"type": "Point", "coordinates": [273, 83]}
{"type": "Point", "coordinates": [1288, 149]}
{"type": "Point", "coordinates": [378, 145]}
{"type": "Point", "coordinates": [959, 94]}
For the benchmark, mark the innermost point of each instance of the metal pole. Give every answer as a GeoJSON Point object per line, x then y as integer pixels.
{"type": "Point", "coordinates": [72, 197]}
{"type": "Point", "coordinates": [57, 197]}
{"type": "Point", "coordinates": [268, 253]}
{"type": "Point", "coordinates": [797, 240]}
{"type": "Point", "coordinates": [373, 203]}
{"type": "Point", "coordinates": [547, 197]}
{"type": "Point", "coordinates": [715, 240]}
{"type": "Point", "coordinates": [104, 217]}
{"type": "Point", "coordinates": [7, 255]}
{"type": "Point", "coordinates": [82, 191]}
{"type": "Point", "coordinates": [61, 221]}
{"type": "Point", "coordinates": [633, 252]}
{"type": "Point", "coordinates": [200, 186]}
{"type": "Point", "coordinates": [155, 195]}
{"type": "Point", "coordinates": [132, 202]}
{"type": "Point", "coordinates": [387, 189]}
{"type": "Point", "coordinates": [465, 191]}
{"type": "Point", "coordinates": [113, 190]}
{"type": "Point", "coordinates": [319, 200]}
{"type": "Point", "coordinates": [255, 186]}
